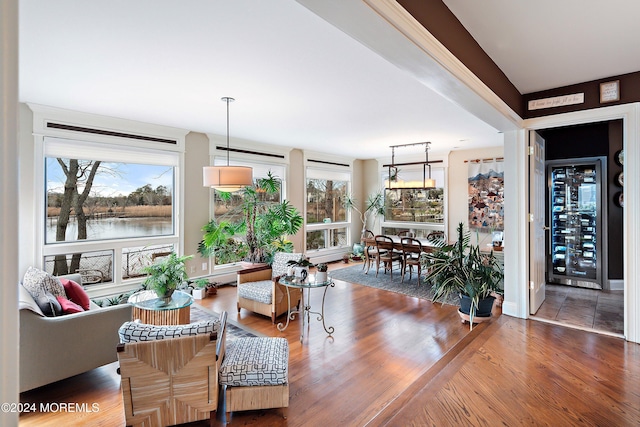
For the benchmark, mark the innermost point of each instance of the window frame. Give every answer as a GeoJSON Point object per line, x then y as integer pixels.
{"type": "Point", "coordinates": [322, 171]}
{"type": "Point", "coordinates": [426, 226]}
{"type": "Point", "coordinates": [105, 142]}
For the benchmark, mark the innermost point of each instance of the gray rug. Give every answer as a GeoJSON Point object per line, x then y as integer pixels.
{"type": "Point", "coordinates": [416, 287]}
{"type": "Point", "coordinates": [234, 330]}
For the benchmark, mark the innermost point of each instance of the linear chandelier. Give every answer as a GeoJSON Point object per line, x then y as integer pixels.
{"type": "Point", "coordinates": [394, 182]}
{"type": "Point", "coordinates": [227, 178]}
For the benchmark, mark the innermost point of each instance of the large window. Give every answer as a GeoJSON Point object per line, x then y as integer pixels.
{"type": "Point", "coordinates": [230, 208]}
{"type": "Point", "coordinates": [420, 210]}
{"type": "Point", "coordinates": [326, 191]}
{"type": "Point", "coordinates": [109, 211]}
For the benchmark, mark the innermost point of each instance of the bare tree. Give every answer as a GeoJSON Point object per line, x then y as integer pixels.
{"type": "Point", "coordinates": [78, 174]}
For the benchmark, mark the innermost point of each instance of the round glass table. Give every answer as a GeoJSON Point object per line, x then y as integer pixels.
{"type": "Point", "coordinates": [305, 285]}
{"type": "Point", "coordinates": [151, 309]}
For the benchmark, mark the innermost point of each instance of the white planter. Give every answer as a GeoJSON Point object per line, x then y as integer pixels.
{"type": "Point", "coordinates": [321, 276]}
{"type": "Point", "coordinates": [301, 272]}
{"type": "Point", "coordinates": [199, 293]}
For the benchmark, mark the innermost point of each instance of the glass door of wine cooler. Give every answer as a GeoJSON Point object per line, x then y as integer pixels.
{"type": "Point", "coordinates": [576, 221]}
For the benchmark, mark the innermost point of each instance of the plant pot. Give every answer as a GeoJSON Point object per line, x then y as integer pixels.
{"type": "Point", "coordinates": [199, 293]}
{"type": "Point", "coordinates": [484, 306]}
{"type": "Point", "coordinates": [321, 276]}
{"type": "Point", "coordinates": [212, 290]}
{"type": "Point", "coordinates": [301, 272]}
{"type": "Point", "coordinates": [166, 296]}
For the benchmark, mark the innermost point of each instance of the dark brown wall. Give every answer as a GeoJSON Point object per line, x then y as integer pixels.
{"type": "Point", "coordinates": [442, 23]}
{"type": "Point", "coordinates": [629, 92]}
{"type": "Point", "coordinates": [597, 139]}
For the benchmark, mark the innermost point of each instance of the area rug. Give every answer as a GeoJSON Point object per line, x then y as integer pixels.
{"type": "Point", "coordinates": [416, 287]}
{"type": "Point", "coordinates": [234, 330]}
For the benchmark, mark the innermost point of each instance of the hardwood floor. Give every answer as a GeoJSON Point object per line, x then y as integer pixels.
{"type": "Point", "coordinates": [395, 360]}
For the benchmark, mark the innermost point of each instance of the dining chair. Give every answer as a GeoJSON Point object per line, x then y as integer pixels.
{"type": "Point", "coordinates": [436, 236]}
{"type": "Point", "coordinates": [370, 250]}
{"type": "Point", "coordinates": [411, 250]}
{"type": "Point", "coordinates": [386, 254]}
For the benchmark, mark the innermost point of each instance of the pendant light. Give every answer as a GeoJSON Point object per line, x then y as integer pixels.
{"type": "Point", "coordinates": [227, 178]}
{"type": "Point", "coordinates": [394, 183]}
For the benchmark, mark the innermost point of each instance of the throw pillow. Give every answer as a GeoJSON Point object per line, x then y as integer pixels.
{"type": "Point", "coordinates": [68, 306]}
{"type": "Point", "coordinates": [76, 293]}
{"type": "Point", "coordinates": [136, 332]}
{"type": "Point", "coordinates": [37, 282]}
{"type": "Point", "coordinates": [48, 303]}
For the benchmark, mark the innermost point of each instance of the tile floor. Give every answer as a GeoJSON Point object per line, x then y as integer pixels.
{"type": "Point", "coordinates": [585, 308]}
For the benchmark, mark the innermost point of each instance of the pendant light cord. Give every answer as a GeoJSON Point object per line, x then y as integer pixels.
{"type": "Point", "coordinates": [227, 99]}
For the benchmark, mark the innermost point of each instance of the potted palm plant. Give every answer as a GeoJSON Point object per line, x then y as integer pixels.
{"type": "Point", "coordinates": [262, 230]}
{"type": "Point", "coordinates": [165, 276]}
{"type": "Point", "coordinates": [461, 268]}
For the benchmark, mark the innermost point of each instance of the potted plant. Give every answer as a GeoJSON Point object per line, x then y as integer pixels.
{"type": "Point", "coordinates": [262, 229]}
{"type": "Point", "coordinates": [165, 276]}
{"type": "Point", "coordinates": [373, 208]}
{"type": "Point", "coordinates": [200, 288]}
{"type": "Point", "coordinates": [321, 272]}
{"type": "Point", "coordinates": [463, 269]}
{"type": "Point", "coordinates": [300, 267]}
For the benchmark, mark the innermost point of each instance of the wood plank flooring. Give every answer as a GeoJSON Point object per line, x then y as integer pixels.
{"type": "Point", "coordinates": [395, 360]}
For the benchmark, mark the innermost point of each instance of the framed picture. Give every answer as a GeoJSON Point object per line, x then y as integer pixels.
{"type": "Point", "coordinates": [619, 157]}
{"type": "Point", "coordinates": [610, 91]}
{"type": "Point", "coordinates": [620, 179]}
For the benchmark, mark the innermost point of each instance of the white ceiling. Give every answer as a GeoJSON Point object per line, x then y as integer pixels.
{"type": "Point", "coordinates": [545, 44]}
{"type": "Point", "coordinates": [298, 81]}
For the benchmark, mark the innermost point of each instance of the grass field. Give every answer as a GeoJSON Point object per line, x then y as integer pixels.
{"type": "Point", "coordinates": [129, 211]}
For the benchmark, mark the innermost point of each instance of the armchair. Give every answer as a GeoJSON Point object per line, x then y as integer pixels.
{"type": "Point", "coordinates": [260, 292]}
{"type": "Point", "coordinates": [172, 380]}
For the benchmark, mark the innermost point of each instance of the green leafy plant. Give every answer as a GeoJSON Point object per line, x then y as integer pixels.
{"type": "Point", "coordinates": [322, 267]}
{"type": "Point", "coordinates": [374, 207]}
{"type": "Point", "coordinates": [302, 262]}
{"type": "Point", "coordinates": [165, 276]}
{"type": "Point", "coordinates": [263, 229]}
{"type": "Point", "coordinates": [463, 269]}
{"type": "Point", "coordinates": [201, 283]}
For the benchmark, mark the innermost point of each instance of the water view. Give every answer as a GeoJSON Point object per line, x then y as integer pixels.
{"type": "Point", "coordinates": [113, 228]}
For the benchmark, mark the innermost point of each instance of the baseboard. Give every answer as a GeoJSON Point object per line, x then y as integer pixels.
{"type": "Point", "coordinates": [616, 285]}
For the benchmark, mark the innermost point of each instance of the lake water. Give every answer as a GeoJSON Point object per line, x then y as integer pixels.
{"type": "Point", "coordinates": [114, 228]}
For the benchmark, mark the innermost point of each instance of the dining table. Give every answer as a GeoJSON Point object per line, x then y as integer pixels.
{"type": "Point", "coordinates": [427, 245]}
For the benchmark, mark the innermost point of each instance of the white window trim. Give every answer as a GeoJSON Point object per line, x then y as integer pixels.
{"type": "Point", "coordinates": [314, 170]}
{"type": "Point", "coordinates": [41, 116]}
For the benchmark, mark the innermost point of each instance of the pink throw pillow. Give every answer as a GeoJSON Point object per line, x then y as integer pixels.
{"type": "Point", "coordinates": [76, 293]}
{"type": "Point", "coordinates": [69, 307]}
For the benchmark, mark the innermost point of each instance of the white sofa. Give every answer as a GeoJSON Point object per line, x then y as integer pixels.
{"type": "Point", "coordinates": [54, 348]}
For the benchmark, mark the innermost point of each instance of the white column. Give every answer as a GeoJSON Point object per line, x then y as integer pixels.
{"type": "Point", "coordinates": [9, 208]}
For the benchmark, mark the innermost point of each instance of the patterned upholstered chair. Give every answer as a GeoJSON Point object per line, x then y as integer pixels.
{"type": "Point", "coordinates": [169, 374]}
{"type": "Point", "coordinates": [260, 292]}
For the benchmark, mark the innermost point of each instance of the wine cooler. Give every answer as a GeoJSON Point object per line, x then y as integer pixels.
{"type": "Point", "coordinates": [576, 195]}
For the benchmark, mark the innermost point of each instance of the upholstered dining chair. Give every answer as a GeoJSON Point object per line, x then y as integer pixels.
{"type": "Point", "coordinates": [169, 374]}
{"type": "Point", "coordinates": [386, 254]}
{"type": "Point", "coordinates": [411, 250]}
{"type": "Point", "coordinates": [259, 290]}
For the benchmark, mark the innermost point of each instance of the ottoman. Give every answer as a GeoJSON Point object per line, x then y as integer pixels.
{"type": "Point", "coordinates": [255, 374]}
